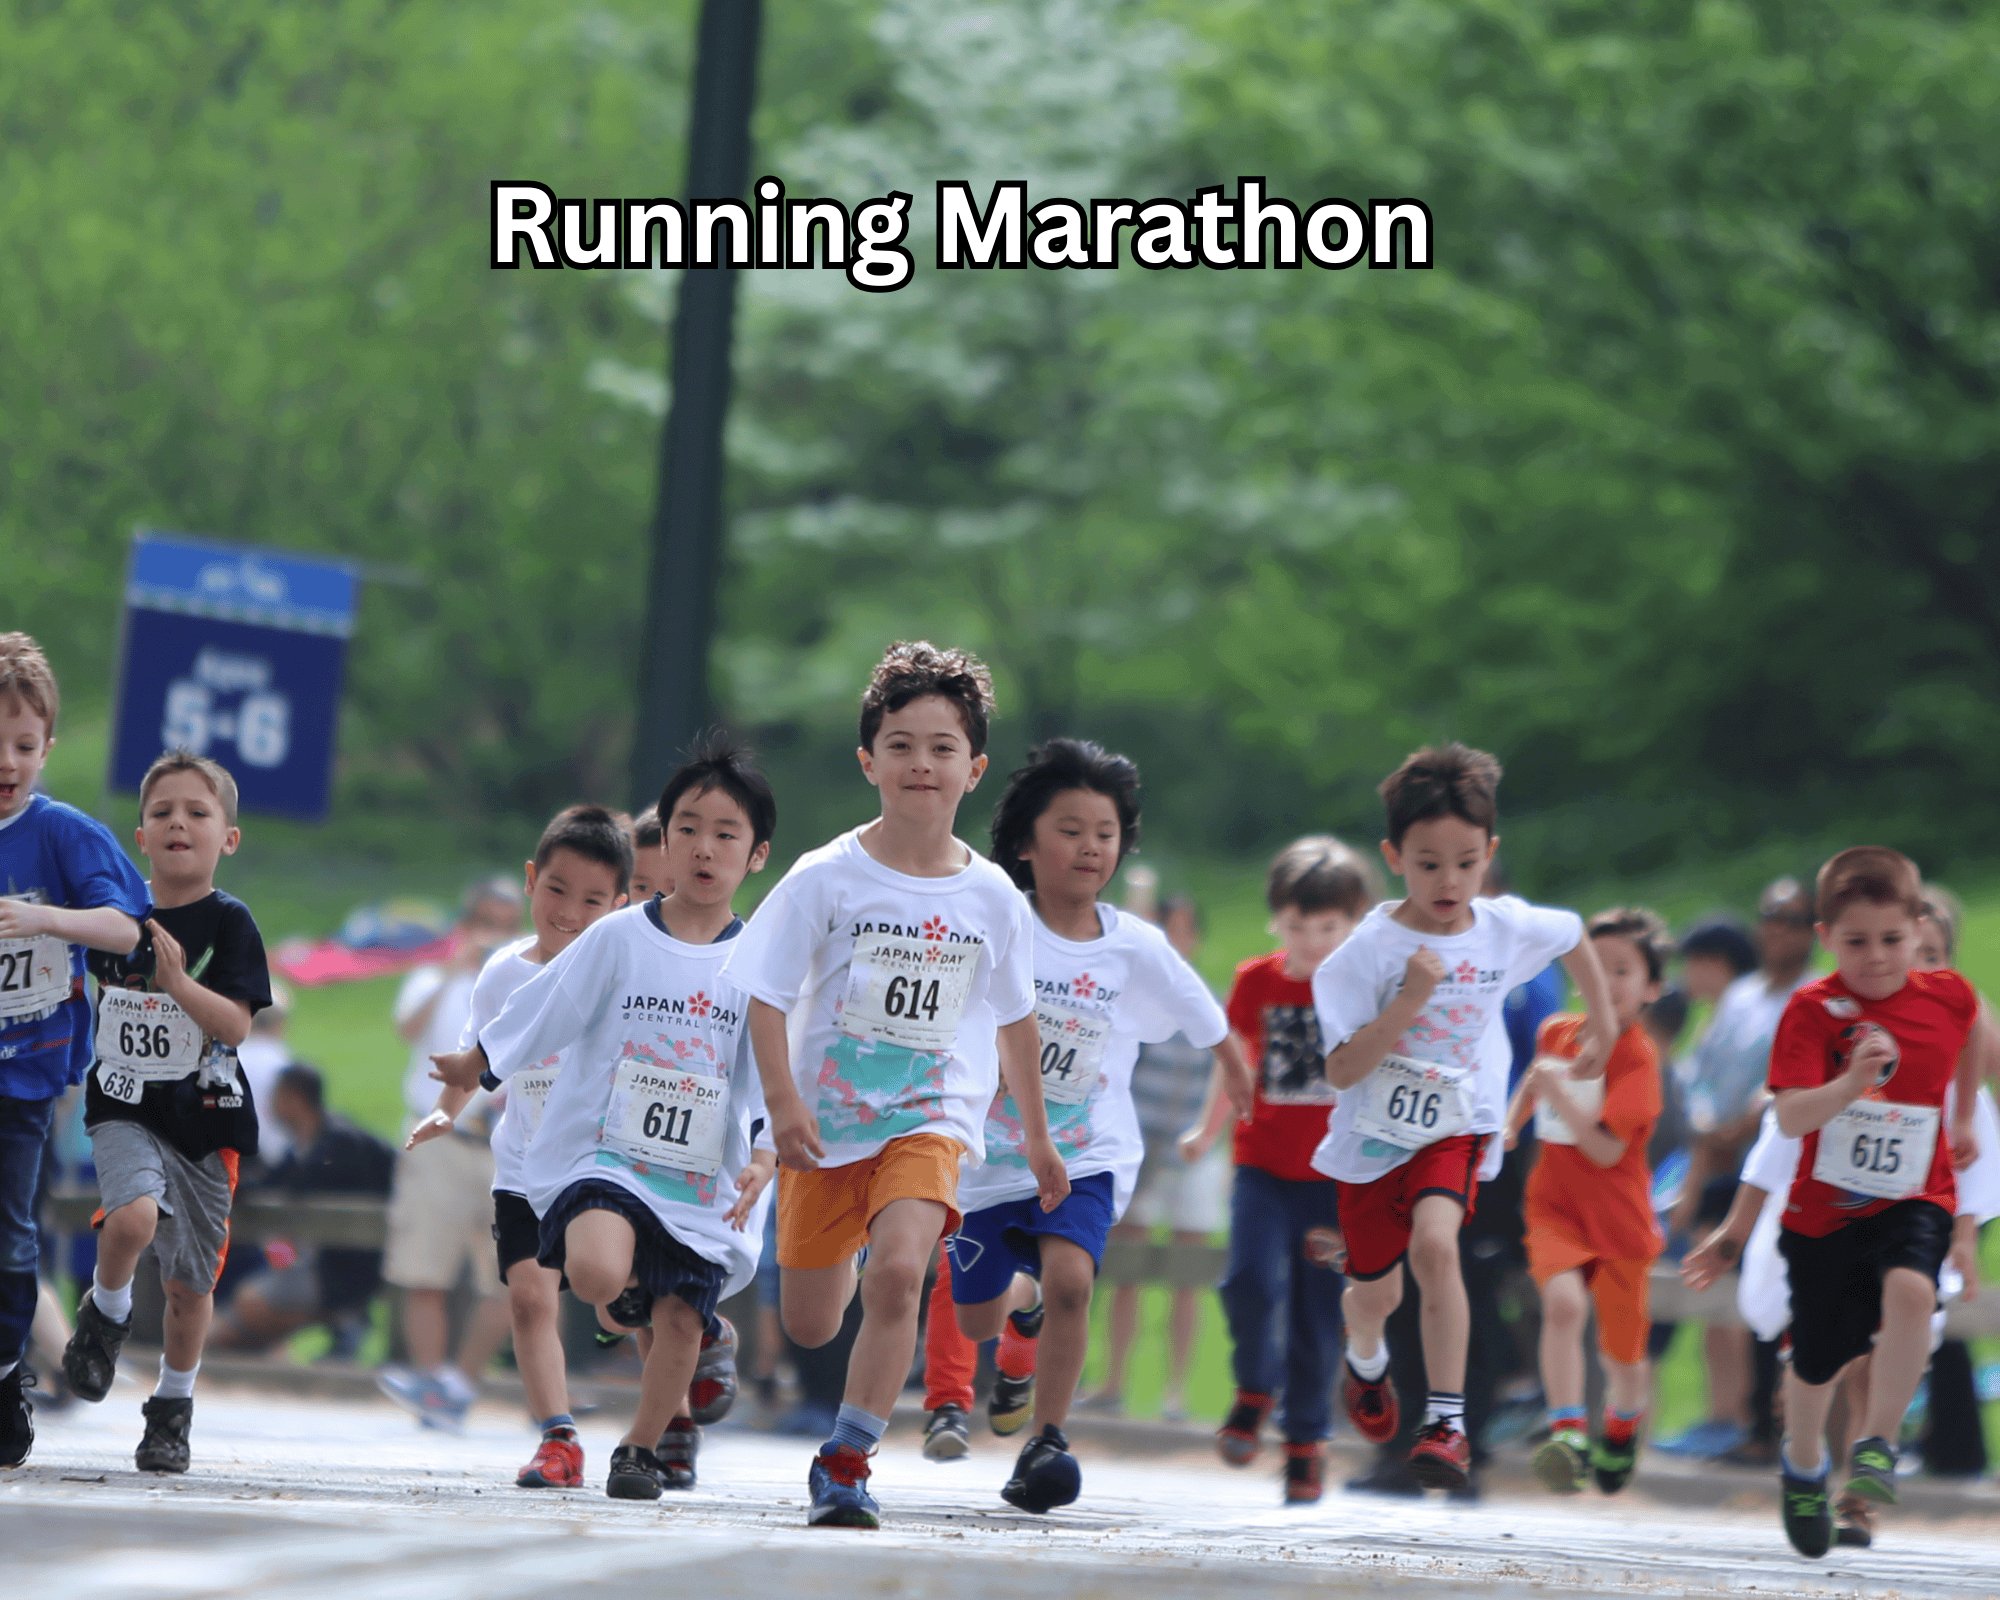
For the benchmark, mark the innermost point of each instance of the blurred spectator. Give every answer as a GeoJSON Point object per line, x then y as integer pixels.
{"type": "Point", "coordinates": [441, 1203]}
{"type": "Point", "coordinates": [305, 1284]}
{"type": "Point", "coordinates": [1722, 1087]}
{"type": "Point", "coordinates": [263, 1056]}
{"type": "Point", "coordinates": [1190, 1199]}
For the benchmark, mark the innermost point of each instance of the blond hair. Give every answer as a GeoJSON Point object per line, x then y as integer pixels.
{"type": "Point", "coordinates": [25, 674]}
{"type": "Point", "coordinates": [211, 772]}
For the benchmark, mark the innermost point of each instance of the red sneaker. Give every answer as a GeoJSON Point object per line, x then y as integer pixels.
{"type": "Point", "coordinates": [1305, 1474]}
{"type": "Point", "coordinates": [558, 1463]}
{"type": "Point", "coordinates": [713, 1390]}
{"type": "Point", "coordinates": [1371, 1407]}
{"type": "Point", "coordinates": [1237, 1439]}
{"type": "Point", "coordinates": [1442, 1457]}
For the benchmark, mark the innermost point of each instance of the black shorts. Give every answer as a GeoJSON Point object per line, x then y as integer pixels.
{"type": "Point", "coordinates": [1836, 1280]}
{"type": "Point", "coordinates": [662, 1264]}
{"type": "Point", "coordinates": [517, 1231]}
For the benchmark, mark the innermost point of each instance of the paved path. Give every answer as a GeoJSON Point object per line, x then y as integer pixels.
{"type": "Point", "coordinates": [298, 1500]}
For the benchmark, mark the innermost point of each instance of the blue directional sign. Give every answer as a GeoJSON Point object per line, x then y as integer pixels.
{"type": "Point", "coordinates": [236, 653]}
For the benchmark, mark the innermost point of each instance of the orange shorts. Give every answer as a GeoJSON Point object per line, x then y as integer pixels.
{"type": "Point", "coordinates": [1620, 1287]}
{"type": "Point", "coordinates": [824, 1215]}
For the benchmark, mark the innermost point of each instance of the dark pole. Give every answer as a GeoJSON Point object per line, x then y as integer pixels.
{"type": "Point", "coordinates": [674, 696]}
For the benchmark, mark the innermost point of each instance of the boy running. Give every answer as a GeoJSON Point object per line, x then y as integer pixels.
{"type": "Point", "coordinates": [1591, 1232]}
{"type": "Point", "coordinates": [579, 872]}
{"type": "Point", "coordinates": [642, 1170]}
{"type": "Point", "coordinates": [1405, 1005]}
{"type": "Point", "coordinates": [1105, 983]}
{"type": "Point", "coordinates": [912, 959]}
{"type": "Point", "coordinates": [167, 1106]}
{"type": "Point", "coordinates": [65, 887]}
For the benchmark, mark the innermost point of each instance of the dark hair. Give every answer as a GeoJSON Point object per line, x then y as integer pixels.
{"type": "Point", "coordinates": [718, 762]}
{"type": "Point", "coordinates": [1646, 929]}
{"type": "Point", "coordinates": [646, 830]}
{"type": "Point", "coordinates": [305, 1082]}
{"type": "Point", "coordinates": [1724, 939]}
{"type": "Point", "coordinates": [596, 833]}
{"type": "Point", "coordinates": [911, 670]}
{"type": "Point", "coordinates": [1668, 1014]}
{"type": "Point", "coordinates": [1319, 873]}
{"type": "Point", "coordinates": [1872, 873]}
{"type": "Point", "coordinates": [1941, 906]}
{"type": "Point", "coordinates": [1442, 780]}
{"type": "Point", "coordinates": [1052, 769]}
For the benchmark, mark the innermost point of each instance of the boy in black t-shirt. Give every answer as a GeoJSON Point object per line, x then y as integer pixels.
{"type": "Point", "coordinates": [167, 1106]}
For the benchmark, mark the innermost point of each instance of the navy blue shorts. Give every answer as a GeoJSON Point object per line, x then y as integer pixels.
{"type": "Point", "coordinates": [992, 1245]}
{"type": "Point", "coordinates": [662, 1264]}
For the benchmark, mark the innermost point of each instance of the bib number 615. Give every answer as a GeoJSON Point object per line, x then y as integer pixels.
{"type": "Point", "coordinates": [1878, 1153]}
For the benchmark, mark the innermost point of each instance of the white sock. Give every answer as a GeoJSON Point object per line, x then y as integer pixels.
{"type": "Point", "coordinates": [113, 1303]}
{"type": "Point", "coordinates": [175, 1385]}
{"type": "Point", "coordinates": [1369, 1368]}
{"type": "Point", "coordinates": [1446, 1406]}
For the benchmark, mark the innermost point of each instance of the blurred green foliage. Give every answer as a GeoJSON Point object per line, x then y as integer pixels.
{"type": "Point", "coordinates": [1672, 483]}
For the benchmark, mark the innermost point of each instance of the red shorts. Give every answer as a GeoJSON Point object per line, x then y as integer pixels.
{"type": "Point", "coordinates": [1376, 1216]}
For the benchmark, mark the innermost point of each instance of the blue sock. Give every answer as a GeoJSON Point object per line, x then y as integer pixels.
{"type": "Point", "coordinates": [1785, 1460]}
{"type": "Point", "coordinates": [862, 1429]}
{"type": "Point", "coordinates": [562, 1419]}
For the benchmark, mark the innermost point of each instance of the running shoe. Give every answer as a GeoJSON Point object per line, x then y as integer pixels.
{"type": "Point", "coordinates": [164, 1447]}
{"type": "Point", "coordinates": [1371, 1404]}
{"type": "Point", "coordinates": [1012, 1404]}
{"type": "Point", "coordinates": [1853, 1522]}
{"type": "Point", "coordinates": [1442, 1456]}
{"type": "Point", "coordinates": [632, 1309]}
{"type": "Point", "coordinates": [425, 1398]}
{"type": "Point", "coordinates": [713, 1390]}
{"type": "Point", "coordinates": [1872, 1472]}
{"type": "Point", "coordinates": [838, 1483]}
{"type": "Point", "coordinates": [1237, 1439]}
{"type": "Point", "coordinates": [1612, 1464]}
{"type": "Point", "coordinates": [558, 1463]}
{"type": "Point", "coordinates": [1045, 1474]}
{"type": "Point", "coordinates": [636, 1474]}
{"type": "Point", "coordinates": [676, 1450]}
{"type": "Point", "coordinates": [1561, 1462]}
{"type": "Point", "coordinates": [1805, 1513]}
{"type": "Point", "coordinates": [1705, 1441]}
{"type": "Point", "coordinates": [17, 1416]}
{"type": "Point", "coordinates": [1305, 1474]}
{"type": "Point", "coordinates": [90, 1359]}
{"type": "Point", "coordinates": [946, 1437]}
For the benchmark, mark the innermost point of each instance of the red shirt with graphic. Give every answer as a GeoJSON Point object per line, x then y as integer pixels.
{"type": "Point", "coordinates": [1273, 1014]}
{"type": "Point", "coordinates": [1931, 1018]}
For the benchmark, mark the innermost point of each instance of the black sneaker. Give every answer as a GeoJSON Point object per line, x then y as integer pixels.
{"type": "Point", "coordinates": [1806, 1514]}
{"type": "Point", "coordinates": [676, 1451]}
{"type": "Point", "coordinates": [632, 1309]}
{"type": "Point", "coordinates": [1028, 1323]}
{"type": "Point", "coordinates": [17, 1416]}
{"type": "Point", "coordinates": [1389, 1475]}
{"type": "Point", "coordinates": [1871, 1472]}
{"type": "Point", "coordinates": [1012, 1404]}
{"type": "Point", "coordinates": [164, 1448]}
{"type": "Point", "coordinates": [1853, 1522]}
{"type": "Point", "coordinates": [90, 1359]}
{"type": "Point", "coordinates": [636, 1474]}
{"type": "Point", "coordinates": [1045, 1474]}
{"type": "Point", "coordinates": [946, 1437]}
{"type": "Point", "coordinates": [1612, 1465]}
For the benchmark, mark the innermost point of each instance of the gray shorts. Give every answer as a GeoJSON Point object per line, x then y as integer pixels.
{"type": "Point", "coordinates": [193, 1196]}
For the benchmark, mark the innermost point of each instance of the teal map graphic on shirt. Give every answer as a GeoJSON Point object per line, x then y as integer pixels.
{"type": "Point", "coordinates": [870, 1090]}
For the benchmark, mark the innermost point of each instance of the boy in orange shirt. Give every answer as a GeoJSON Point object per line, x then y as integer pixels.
{"type": "Point", "coordinates": [1591, 1234]}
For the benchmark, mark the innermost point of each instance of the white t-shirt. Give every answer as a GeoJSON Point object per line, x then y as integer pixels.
{"type": "Point", "coordinates": [900, 985]}
{"type": "Point", "coordinates": [1096, 1003]}
{"type": "Point", "coordinates": [1459, 1031]}
{"type": "Point", "coordinates": [506, 970]}
{"type": "Point", "coordinates": [444, 1032]}
{"type": "Point", "coordinates": [1728, 1066]}
{"type": "Point", "coordinates": [657, 1092]}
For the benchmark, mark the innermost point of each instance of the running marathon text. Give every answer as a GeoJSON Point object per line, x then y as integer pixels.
{"type": "Point", "coordinates": [1214, 229]}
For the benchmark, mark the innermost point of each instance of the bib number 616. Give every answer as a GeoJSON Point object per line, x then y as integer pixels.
{"type": "Point", "coordinates": [1415, 1108]}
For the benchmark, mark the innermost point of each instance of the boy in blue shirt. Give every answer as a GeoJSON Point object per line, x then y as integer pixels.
{"type": "Point", "coordinates": [65, 887]}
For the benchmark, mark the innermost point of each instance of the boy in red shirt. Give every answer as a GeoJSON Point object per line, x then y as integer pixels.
{"type": "Point", "coordinates": [1591, 1232]}
{"type": "Point", "coordinates": [1280, 1291]}
{"type": "Point", "coordinates": [1860, 1068]}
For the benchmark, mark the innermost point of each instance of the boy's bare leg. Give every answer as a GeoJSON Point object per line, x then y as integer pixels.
{"type": "Point", "coordinates": [901, 1241]}
{"type": "Point", "coordinates": [1068, 1278]}
{"type": "Point", "coordinates": [1365, 1308]}
{"type": "Point", "coordinates": [123, 1239]}
{"type": "Point", "coordinates": [485, 1332]}
{"type": "Point", "coordinates": [1565, 1309]}
{"type": "Point", "coordinates": [1627, 1384]}
{"type": "Point", "coordinates": [424, 1328]}
{"type": "Point", "coordinates": [813, 1301]}
{"type": "Point", "coordinates": [1183, 1318]}
{"type": "Point", "coordinates": [186, 1325]}
{"type": "Point", "coordinates": [1902, 1350]}
{"type": "Point", "coordinates": [532, 1303]}
{"type": "Point", "coordinates": [1805, 1423]}
{"type": "Point", "coordinates": [677, 1330]}
{"type": "Point", "coordinates": [1446, 1314]}
{"type": "Point", "coordinates": [985, 1320]}
{"type": "Point", "coordinates": [1124, 1320]}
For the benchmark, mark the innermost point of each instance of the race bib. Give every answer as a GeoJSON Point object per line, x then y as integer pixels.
{"type": "Point", "coordinates": [1072, 1051]}
{"type": "Point", "coordinates": [1412, 1103]}
{"type": "Point", "coordinates": [34, 976]}
{"type": "Point", "coordinates": [1588, 1093]}
{"type": "Point", "coordinates": [1878, 1148]}
{"type": "Point", "coordinates": [908, 992]}
{"type": "Point", "coordinates": [661, 1117]}
{"type": "Point", "coordinates": [528, 1096]}
{"type": "Point", "coordinates": [147, 1037]}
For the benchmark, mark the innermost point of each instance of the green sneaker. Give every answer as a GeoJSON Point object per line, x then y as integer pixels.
{"type": "Point", "coordinates": [1611, 1464]}
{"type": "Point", "coordinates": [1872, 1472]}
{"type": "Point", "coordinates": [1560, 1463]}
{"type": "Point", "coordinates": [1807, 1515]}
